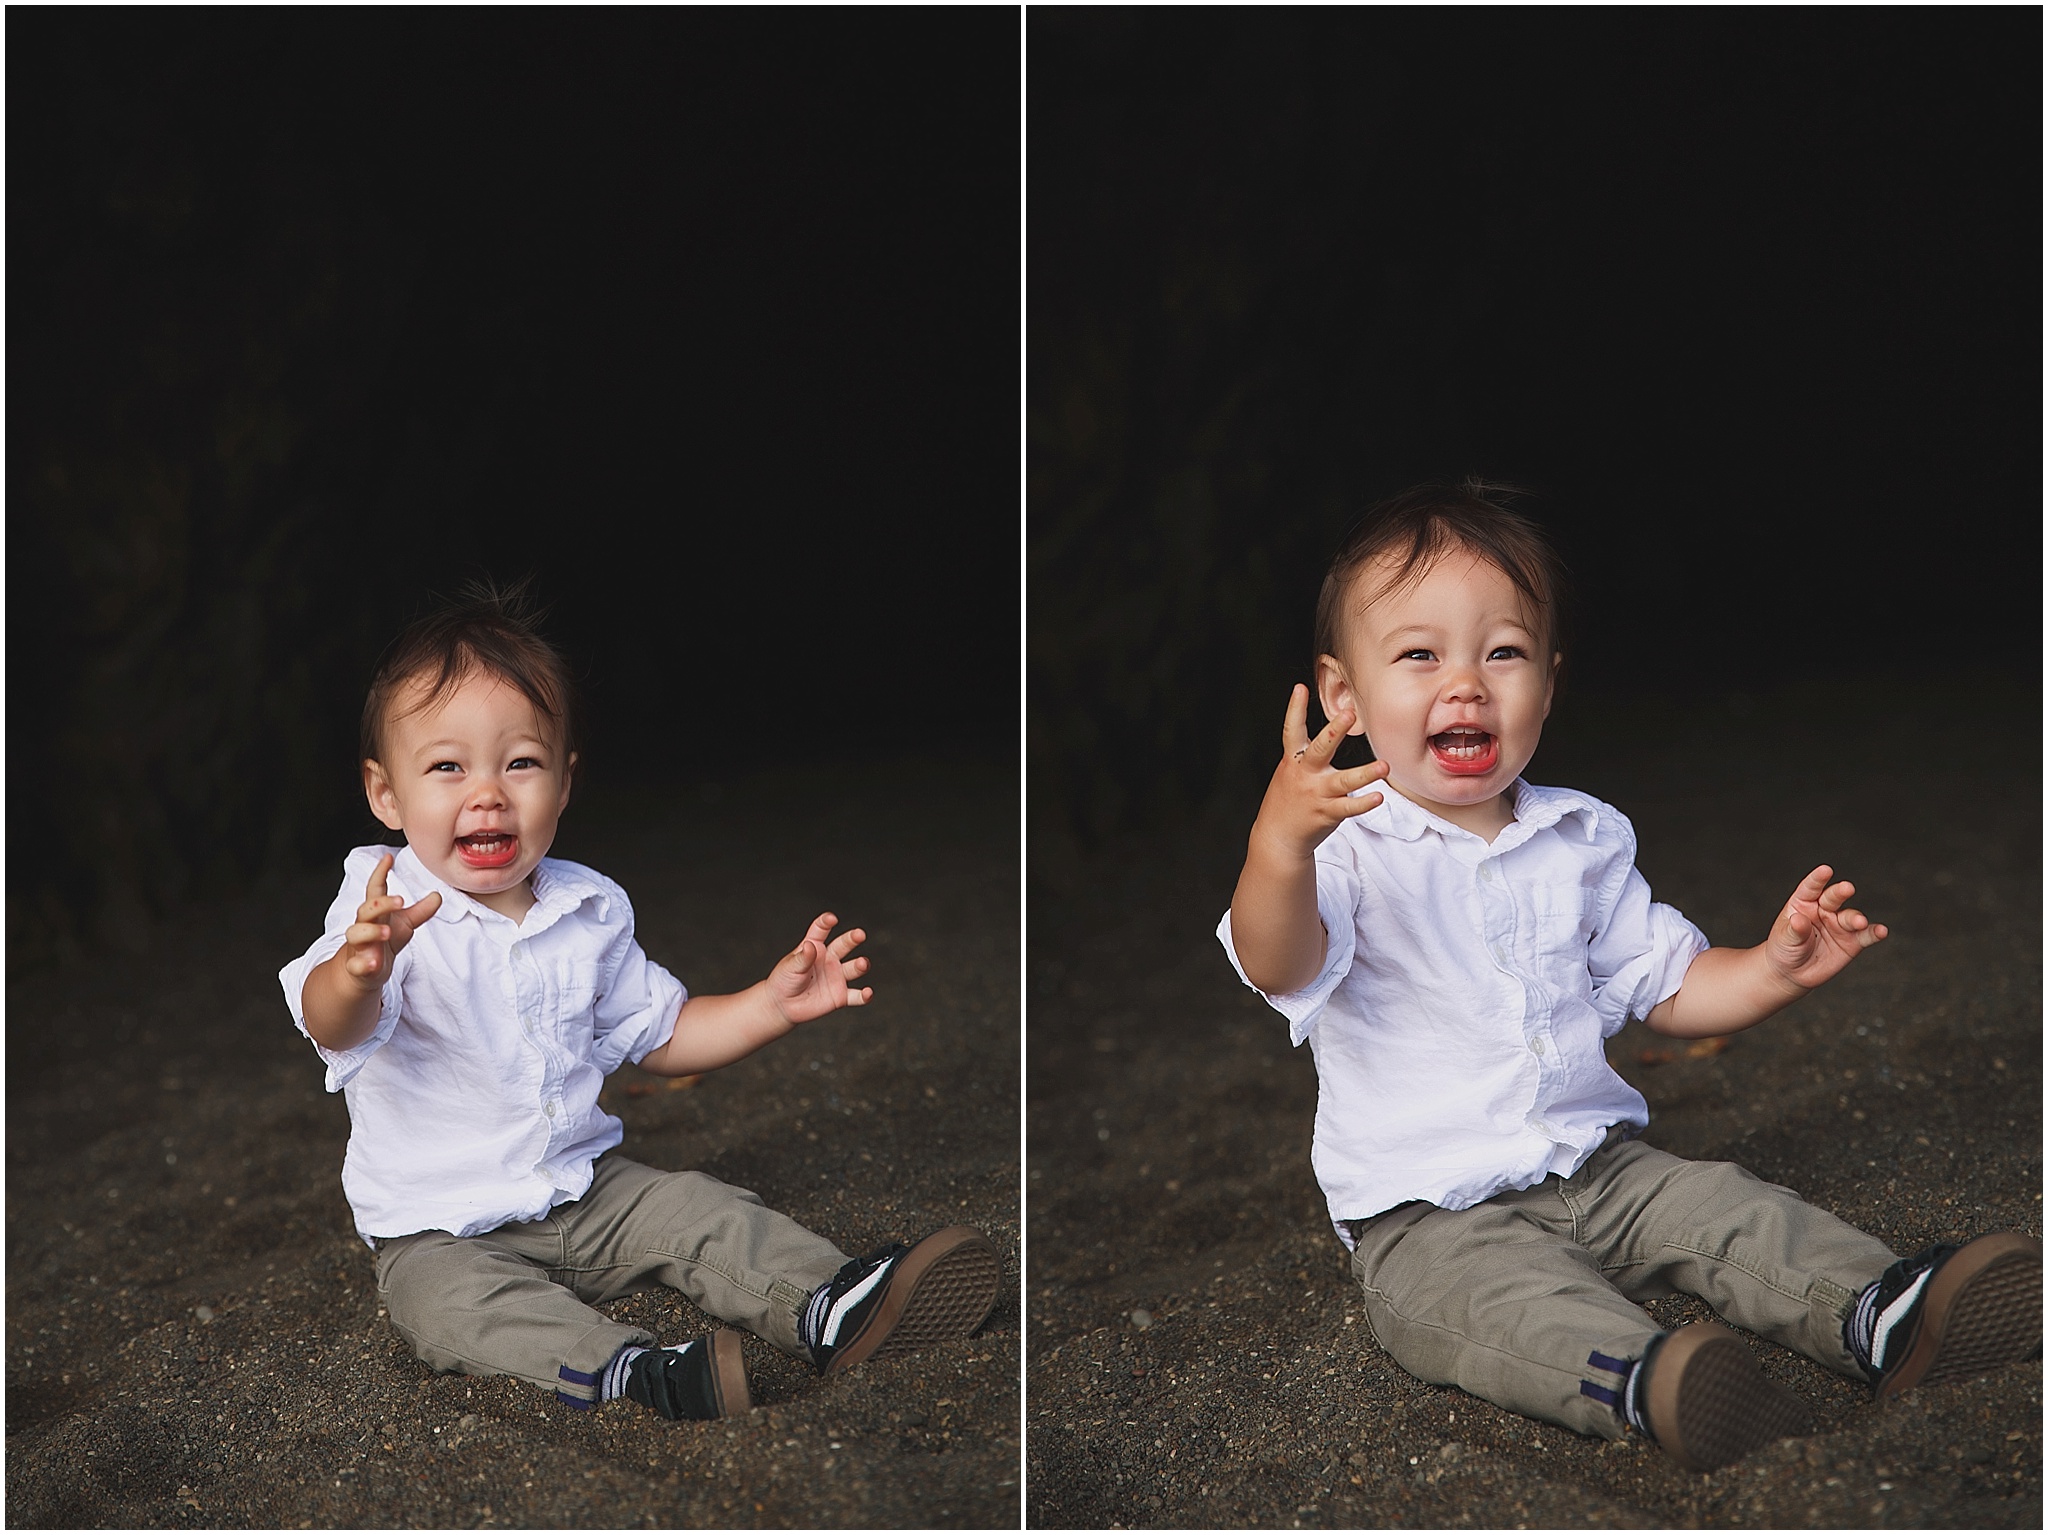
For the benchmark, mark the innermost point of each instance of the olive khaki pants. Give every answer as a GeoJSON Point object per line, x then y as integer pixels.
{"type": "Point", "coordinates": [517, 1300]}
{"type": "Point", "coordinates": [1529, 1299]}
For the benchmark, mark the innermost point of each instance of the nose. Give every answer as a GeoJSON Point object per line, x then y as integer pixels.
{"type": "Point", "coordinates": [486, 792]}
{"type": "Point", "coordinates": [1464, 683]}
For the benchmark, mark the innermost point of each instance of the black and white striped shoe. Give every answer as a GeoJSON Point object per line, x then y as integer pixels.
{"type": "Point", "coordinates": [1951, 1312]}
{"type": "Point", "coordinates": [704, 1378]}
{"type": "Point", "coordinates": [902, 1298]}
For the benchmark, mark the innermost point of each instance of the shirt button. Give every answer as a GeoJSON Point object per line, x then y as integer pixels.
{"type": "Point", "coordinates": [1536, 1044]}
{"type": "Point", "coordinates": [549, 1110]}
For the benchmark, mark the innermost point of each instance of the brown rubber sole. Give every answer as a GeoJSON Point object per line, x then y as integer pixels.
{"type": "Point", "coordinates": [729, 1374]}
{"type": "Point", "coordinates": [942, 1289]}
{"type": "Point", "coordinates": [1710, 1402]}
{"type": "Point", "coordinates": [1981, 1309]}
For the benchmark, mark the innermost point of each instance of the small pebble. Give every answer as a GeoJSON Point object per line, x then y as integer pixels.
{"type": "Point", "coordinates": [204, 1313]}
{"type": "Point", "coordinates": [1141, 1319]}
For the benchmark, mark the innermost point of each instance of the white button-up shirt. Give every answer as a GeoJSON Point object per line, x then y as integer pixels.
{"type": "Point", "coordinates": [474, 1103]}
{"type": "Point", "coordinates": [1458, 1020]}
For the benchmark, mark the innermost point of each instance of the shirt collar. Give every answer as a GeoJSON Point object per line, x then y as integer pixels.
{"type": "Point", "coordinates": [558, 889]}
{"type": "Point", "coordinates": [1401, 818]}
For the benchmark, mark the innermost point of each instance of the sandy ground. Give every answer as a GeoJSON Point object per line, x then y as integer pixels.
{"type": "Point", "coordinates": [1197, 1357]}
{"type": "Point", "coordinates": [193, 1332]}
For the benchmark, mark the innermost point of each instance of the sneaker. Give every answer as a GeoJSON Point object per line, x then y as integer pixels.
{"type": "Point", "coordinates": [705, 1378]}
{"type": "Point", "coordinates": [1956, 1311]}
{"type": "Point", "coordinates": [1708, 1402]}
{"type": "Point", "coordinates": [902, 1298]}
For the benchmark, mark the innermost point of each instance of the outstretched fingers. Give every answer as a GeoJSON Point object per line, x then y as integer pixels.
{"type": "Point", "coordinates": [1811, 887]}
{"type": "Point", "coordinates": [1294, 725]}
{"type": "Point", "coordinates": [1327, 740]}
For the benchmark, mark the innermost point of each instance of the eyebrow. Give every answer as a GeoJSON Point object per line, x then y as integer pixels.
{"type": "Point", "coordinates": [1506, 621]}
{"type": "Point", "coordinates": [520, 744]}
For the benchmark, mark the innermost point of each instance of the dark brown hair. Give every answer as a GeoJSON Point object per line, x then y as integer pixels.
{"type": "Point", "coordinates": [484, 628]}
{"type": "Point", "coordinates": [1421, 525]}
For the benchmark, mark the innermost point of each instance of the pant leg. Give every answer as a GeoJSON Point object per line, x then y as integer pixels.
{"type": "Point", "coordinates": [484, 1305]}
{"type": "Point", "coordinates": [1756, 1252]}
{"type": "Point", "coordinates": [719, 1245]}
{"type": "Point", "coordinates": [1499, 1301]}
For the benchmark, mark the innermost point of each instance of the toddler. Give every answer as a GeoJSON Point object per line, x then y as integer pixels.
{"type": "Point", "coordinates": [1455, 944]}
{"type": "Point", "coordinates": [469, 996]}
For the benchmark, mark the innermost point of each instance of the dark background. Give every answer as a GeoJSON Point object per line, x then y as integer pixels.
{"type": "Point", "coordinates": [1750, 298]}
{"type": "Point", "coordinates": [708, 322]}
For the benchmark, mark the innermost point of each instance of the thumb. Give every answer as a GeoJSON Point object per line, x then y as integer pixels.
{"type": "Point", "coordinates": [802, 956]}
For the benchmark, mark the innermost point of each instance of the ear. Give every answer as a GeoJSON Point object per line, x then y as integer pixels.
{"type": "Point", "coordinates": [383, 801]}
{"type": "Point", "coordinates": [1550, 683]}
{"type": "Point", "coordinates": [1334, 690]}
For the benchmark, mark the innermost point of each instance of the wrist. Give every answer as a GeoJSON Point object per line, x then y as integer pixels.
{"type": "Point", "coordinates": [1779, 980]}
{"type": "Point", "coordinates": [767, 1005]}
{"type": "Point", "coordinates": [1274, 852]}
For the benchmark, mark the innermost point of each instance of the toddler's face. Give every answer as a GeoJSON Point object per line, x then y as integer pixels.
{"type": "Point", "coordinates": [477, 783]}
{"type": "Point", "coordinates": [1450, 678]}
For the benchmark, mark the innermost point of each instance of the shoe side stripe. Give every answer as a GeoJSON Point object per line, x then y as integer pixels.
{"type": "Point", "coordinates": [1892, 1316]}
{"type": "Point", "coordinates": [841, 1308]}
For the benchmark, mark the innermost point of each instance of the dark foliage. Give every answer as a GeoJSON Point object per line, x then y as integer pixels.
{"type": "Point", "coordinates": [708, 324]}
{"type": "Point", "coordinates": [1751, 297]}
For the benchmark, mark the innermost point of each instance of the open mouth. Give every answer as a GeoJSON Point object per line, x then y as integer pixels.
{"type": "Point", "coordinates": [487, 849]}
{"type": "Point", "coordinates": [1465, 749]}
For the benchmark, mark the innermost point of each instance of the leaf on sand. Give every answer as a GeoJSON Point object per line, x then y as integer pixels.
{"type": "Point", "coordinates": [662, 1085]}
{"type": "Point", "coordinates": [1698, 1050]}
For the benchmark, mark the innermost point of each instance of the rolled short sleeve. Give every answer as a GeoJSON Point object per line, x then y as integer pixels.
{"type": "Point", "coordinates": [1337, 906]}
{"type": "Point", "coordinates": [637, 1000]}
{"type": "Point", "coordinates": [355, 883]}
{"type": "Point", "coordinates": [1640, 954]}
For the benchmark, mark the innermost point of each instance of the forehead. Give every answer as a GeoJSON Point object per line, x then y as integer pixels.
{"type": "Point", "coordinates": [478, 702]}
{"type": "Point", "coordinates": [1454, 583]}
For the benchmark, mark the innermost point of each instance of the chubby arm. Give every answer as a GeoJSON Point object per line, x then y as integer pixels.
{"type": "Point", "coordinates": [813, 979]}
{"type": "Point", "coordinates": [1274, 924]}
{"type": "Point", "coordinates": [1813, 940]}
{"type": "Point", "coordinates": [343, 994]}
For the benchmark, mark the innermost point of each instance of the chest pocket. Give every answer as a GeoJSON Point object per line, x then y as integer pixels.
{"type": "Point", "coordinates": [1561, 927]}
{"type": "Point", "coordinates": [572, 1000]}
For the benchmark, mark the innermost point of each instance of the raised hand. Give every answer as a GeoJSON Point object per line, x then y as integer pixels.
{"type": "Point", "coordinates": [384, 925]}
{"type": "Point", "coordinates": [1818, 933]}
{"type": "Point", "coordinates": [1307, 798]}
{"type": "Point", "coordinates": [815, 978]}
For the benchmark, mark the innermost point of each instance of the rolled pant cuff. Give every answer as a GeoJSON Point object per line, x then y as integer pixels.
{"type": "Point", "coordinates": [580, 1378]}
